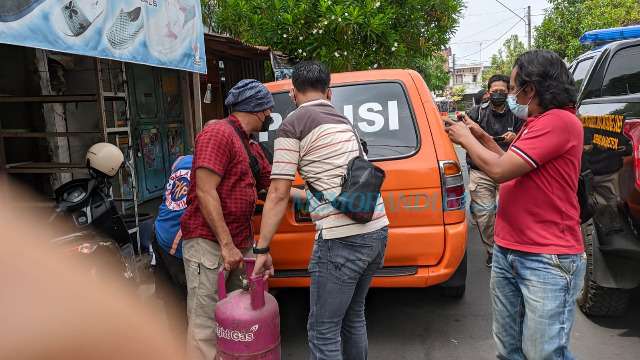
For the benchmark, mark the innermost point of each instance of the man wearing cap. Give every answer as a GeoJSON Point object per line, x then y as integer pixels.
{"type": "Point", "coordinates": [227, 171]}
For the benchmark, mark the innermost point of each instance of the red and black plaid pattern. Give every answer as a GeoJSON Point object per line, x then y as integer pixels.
{"type": "Point", "coordinates": [219, 149]}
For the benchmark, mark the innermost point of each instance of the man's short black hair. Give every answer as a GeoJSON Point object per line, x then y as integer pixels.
{"type": "Point", "coordinates": [311, 75]}
{"type": "Point", "coordinates": [549, 75]}
{"type": "Point", "coordinates": [477, 98]}
{"type": "Point", "coordinates": [496, 78]}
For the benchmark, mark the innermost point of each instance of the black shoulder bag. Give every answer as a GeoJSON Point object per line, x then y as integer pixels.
{"type": "Point", "coordinates": [360, 188]}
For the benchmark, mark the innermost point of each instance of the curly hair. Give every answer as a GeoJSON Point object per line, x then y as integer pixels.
{"type": "Point", "coordinates": [549, 75]}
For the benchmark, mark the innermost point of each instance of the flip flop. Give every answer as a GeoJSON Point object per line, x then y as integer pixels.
{"type": "Point", "coordinates": [77, 19]}
{"type": "Point", "coordinates": [125, 28]}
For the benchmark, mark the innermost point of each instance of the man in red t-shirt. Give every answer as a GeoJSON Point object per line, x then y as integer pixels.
{"type": "Point", "coordinates": [216, 225]}
{"type": "Point", "coordinates": [538, 260]}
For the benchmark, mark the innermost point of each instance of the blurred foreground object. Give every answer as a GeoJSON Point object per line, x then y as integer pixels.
{"type": "Point", "coordinates": [55, 307]}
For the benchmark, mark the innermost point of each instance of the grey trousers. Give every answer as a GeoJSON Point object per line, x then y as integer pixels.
{"type": "Point", "coordinates": [341, 273]}
{"type": "Point", "coordinates": [484, 204]}
{"type": "Point", "coordinates": [202, 262]}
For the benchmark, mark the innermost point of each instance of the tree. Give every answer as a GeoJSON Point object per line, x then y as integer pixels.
{"type": "Point", "coordinates": [502, 62]}
{"type": "Point", "coordinates": [432, 70]}
{"type": "Point", "coordinates": [457, 93]}
{"type": "Point", "coordinates": [567, 20]}
{"type": "Point", "coordinates": [345, 34]}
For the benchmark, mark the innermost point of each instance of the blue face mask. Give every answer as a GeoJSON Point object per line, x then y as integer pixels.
{"type": "Point", "coordinates": [519, 110]}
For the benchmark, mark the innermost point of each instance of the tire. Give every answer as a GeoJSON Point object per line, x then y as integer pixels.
{"type": "Point", "coordinates": [456, 292]}
{"type": "Point", "coordinates": [596, 300]}
{"type": "Point", "coordinates": [455, 287]}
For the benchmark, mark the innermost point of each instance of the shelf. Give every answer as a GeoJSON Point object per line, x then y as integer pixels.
{"type": "Point", "coordinates": [114, 96]}
{"type": "Point", "coordinates": [46, 99]}
{"type": "Point", "coordinates": [117, 130]}
{"type": "Point", "coordinates": [10, 133]}
{"type": "Point", "coordinates": [44, 168]}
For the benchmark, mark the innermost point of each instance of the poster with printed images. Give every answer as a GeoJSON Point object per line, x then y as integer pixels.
{"type": "Point", "coordinates": [164, 33]}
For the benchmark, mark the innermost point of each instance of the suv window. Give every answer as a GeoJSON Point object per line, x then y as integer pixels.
{"type": "Point", "coordinates": [580, 71]}
{"type": "Point", "coordinates": [623, 75]}
{"type": "Point", "coordinates": [381, 112]}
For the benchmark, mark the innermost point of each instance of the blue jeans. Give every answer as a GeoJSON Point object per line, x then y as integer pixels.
{"type": "Point", "coordinates": [341, 271]}
{"type": "Point", "coordinates": [534, 303]}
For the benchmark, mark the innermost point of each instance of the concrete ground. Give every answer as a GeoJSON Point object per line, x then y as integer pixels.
{"type": "Point", "coordinates": [420, 324]}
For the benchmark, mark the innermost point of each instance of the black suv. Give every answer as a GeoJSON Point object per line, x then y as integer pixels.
{"type": "Point", "coordinates": [609, 107]}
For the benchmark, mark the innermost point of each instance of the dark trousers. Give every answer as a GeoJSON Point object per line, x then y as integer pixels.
{"type": "Point", "coordinates": [173, 267]}
{"type": "Point", "coordinates": [171, 288]}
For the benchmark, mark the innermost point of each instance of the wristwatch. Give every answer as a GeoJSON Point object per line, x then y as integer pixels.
{"type": "Point", "coordinates": [259, 251]}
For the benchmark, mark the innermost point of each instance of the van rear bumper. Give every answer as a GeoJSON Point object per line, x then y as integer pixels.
{"type": "Point", "coordinates": [400, 277]}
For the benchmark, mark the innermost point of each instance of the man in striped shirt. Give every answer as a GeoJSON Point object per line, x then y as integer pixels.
{"type": "Point", "coordinates": [319, 142]}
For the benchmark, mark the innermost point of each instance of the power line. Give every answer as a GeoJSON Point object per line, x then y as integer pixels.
{"type": "Point", "coordinates": [470, 42]}
{"type": "Point", "coordinates": [493, 26]}
{"type": "Point", "coordinates": [491, 43]}
{"type": "Point", "coordinates": [513, 12]}
{"type": "Point", "coordinates": [490, 13]}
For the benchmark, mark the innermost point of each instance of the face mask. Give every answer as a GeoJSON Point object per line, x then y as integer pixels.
{"type": "Point", "coordinates": [498, 98]}
{"type": "Point", "coordinates": [268, 120]}
{"type": "Point", "coordinates": [519, 110]}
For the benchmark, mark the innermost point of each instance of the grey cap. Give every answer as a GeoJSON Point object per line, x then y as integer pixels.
{"type": "Point", "coordinates": [249, 95]}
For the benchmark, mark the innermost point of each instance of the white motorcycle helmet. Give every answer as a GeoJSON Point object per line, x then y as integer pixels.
{"type": "Point", "coordinates": [105, 158]}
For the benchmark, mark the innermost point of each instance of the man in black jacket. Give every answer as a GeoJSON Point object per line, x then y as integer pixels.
{"type": "Point", "coordinates": [497, 120]}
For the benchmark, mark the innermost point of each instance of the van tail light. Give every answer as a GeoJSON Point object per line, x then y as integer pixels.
{"type": "Point", "coordinates": [631, 130]}
{"type": "Point", "coordinates": [452, 186]}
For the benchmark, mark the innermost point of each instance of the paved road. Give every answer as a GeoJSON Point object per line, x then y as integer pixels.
{"type": "Point", "coordinates": [419, 324]}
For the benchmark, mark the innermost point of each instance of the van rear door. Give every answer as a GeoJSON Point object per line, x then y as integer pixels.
{"type": "Point", "coordinates": [389, 117]}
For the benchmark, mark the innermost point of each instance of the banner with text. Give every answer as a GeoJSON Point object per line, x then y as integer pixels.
{"type": "Point", "coordinates": [165, 33]}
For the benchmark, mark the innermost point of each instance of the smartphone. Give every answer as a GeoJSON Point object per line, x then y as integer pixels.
{"type": "Point", "coordinates": [498, 138]}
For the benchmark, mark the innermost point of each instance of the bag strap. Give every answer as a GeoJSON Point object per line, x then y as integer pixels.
{"type": "Point", "coordinates": [319, 195]}
{"type": "Point", "coordinates": [252, 158]}
{"type": "Point", "coordinates": [355, 133]}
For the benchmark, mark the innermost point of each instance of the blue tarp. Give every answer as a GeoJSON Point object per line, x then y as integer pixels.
{"type": "Point", "coordinates": [165, 33]}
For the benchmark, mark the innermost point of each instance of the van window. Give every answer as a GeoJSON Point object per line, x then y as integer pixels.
{"type": "Point", "coordinates": [580, 71]}
{"type": "Point", "coordinates": [623, 75]}
{"type": "Point", "coordinates": [380, 112]}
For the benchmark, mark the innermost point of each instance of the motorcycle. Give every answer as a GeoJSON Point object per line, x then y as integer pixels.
{"type": "Point", "coordinates": [86, 205]}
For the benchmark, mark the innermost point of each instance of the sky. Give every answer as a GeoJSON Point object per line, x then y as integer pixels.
{"type": "Point", "coordinates": [485, 25]}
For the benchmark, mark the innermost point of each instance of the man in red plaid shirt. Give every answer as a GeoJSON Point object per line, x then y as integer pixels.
{"type": "Point", "coordinates": [217, 223]}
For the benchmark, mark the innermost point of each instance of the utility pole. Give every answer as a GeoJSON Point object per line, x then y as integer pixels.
{"type": "Point", "coordinates": [453, 68]}
{"type": "Point", "coordinates": [529, 27]}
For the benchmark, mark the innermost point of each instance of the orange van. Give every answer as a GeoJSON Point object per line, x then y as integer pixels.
{"type": "Point", "coordinates": [424, 194]}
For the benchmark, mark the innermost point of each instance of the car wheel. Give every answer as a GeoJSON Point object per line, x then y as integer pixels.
{"type": "Point", "coordinates": [455, 287]}
{"type": "Point", "coordinates": [596, 300]}
{"type": "Point", "coordinates": [453, 292]}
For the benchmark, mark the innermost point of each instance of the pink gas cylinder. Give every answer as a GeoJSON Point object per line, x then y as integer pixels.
{"type": "Point", "coordinates": [248, 320]}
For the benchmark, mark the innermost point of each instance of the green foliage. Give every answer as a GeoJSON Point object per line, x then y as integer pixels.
{"type": "Point", "coordinates": [567, 20]}
{"type": "Point", "coordinates": [432, 70]}
{"type": "Point", "coordinates": [346, 34]}
{"type": "Point", "coordinates": [457, 93]}
{"type": "Point", "coordinates": [502, 62]}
